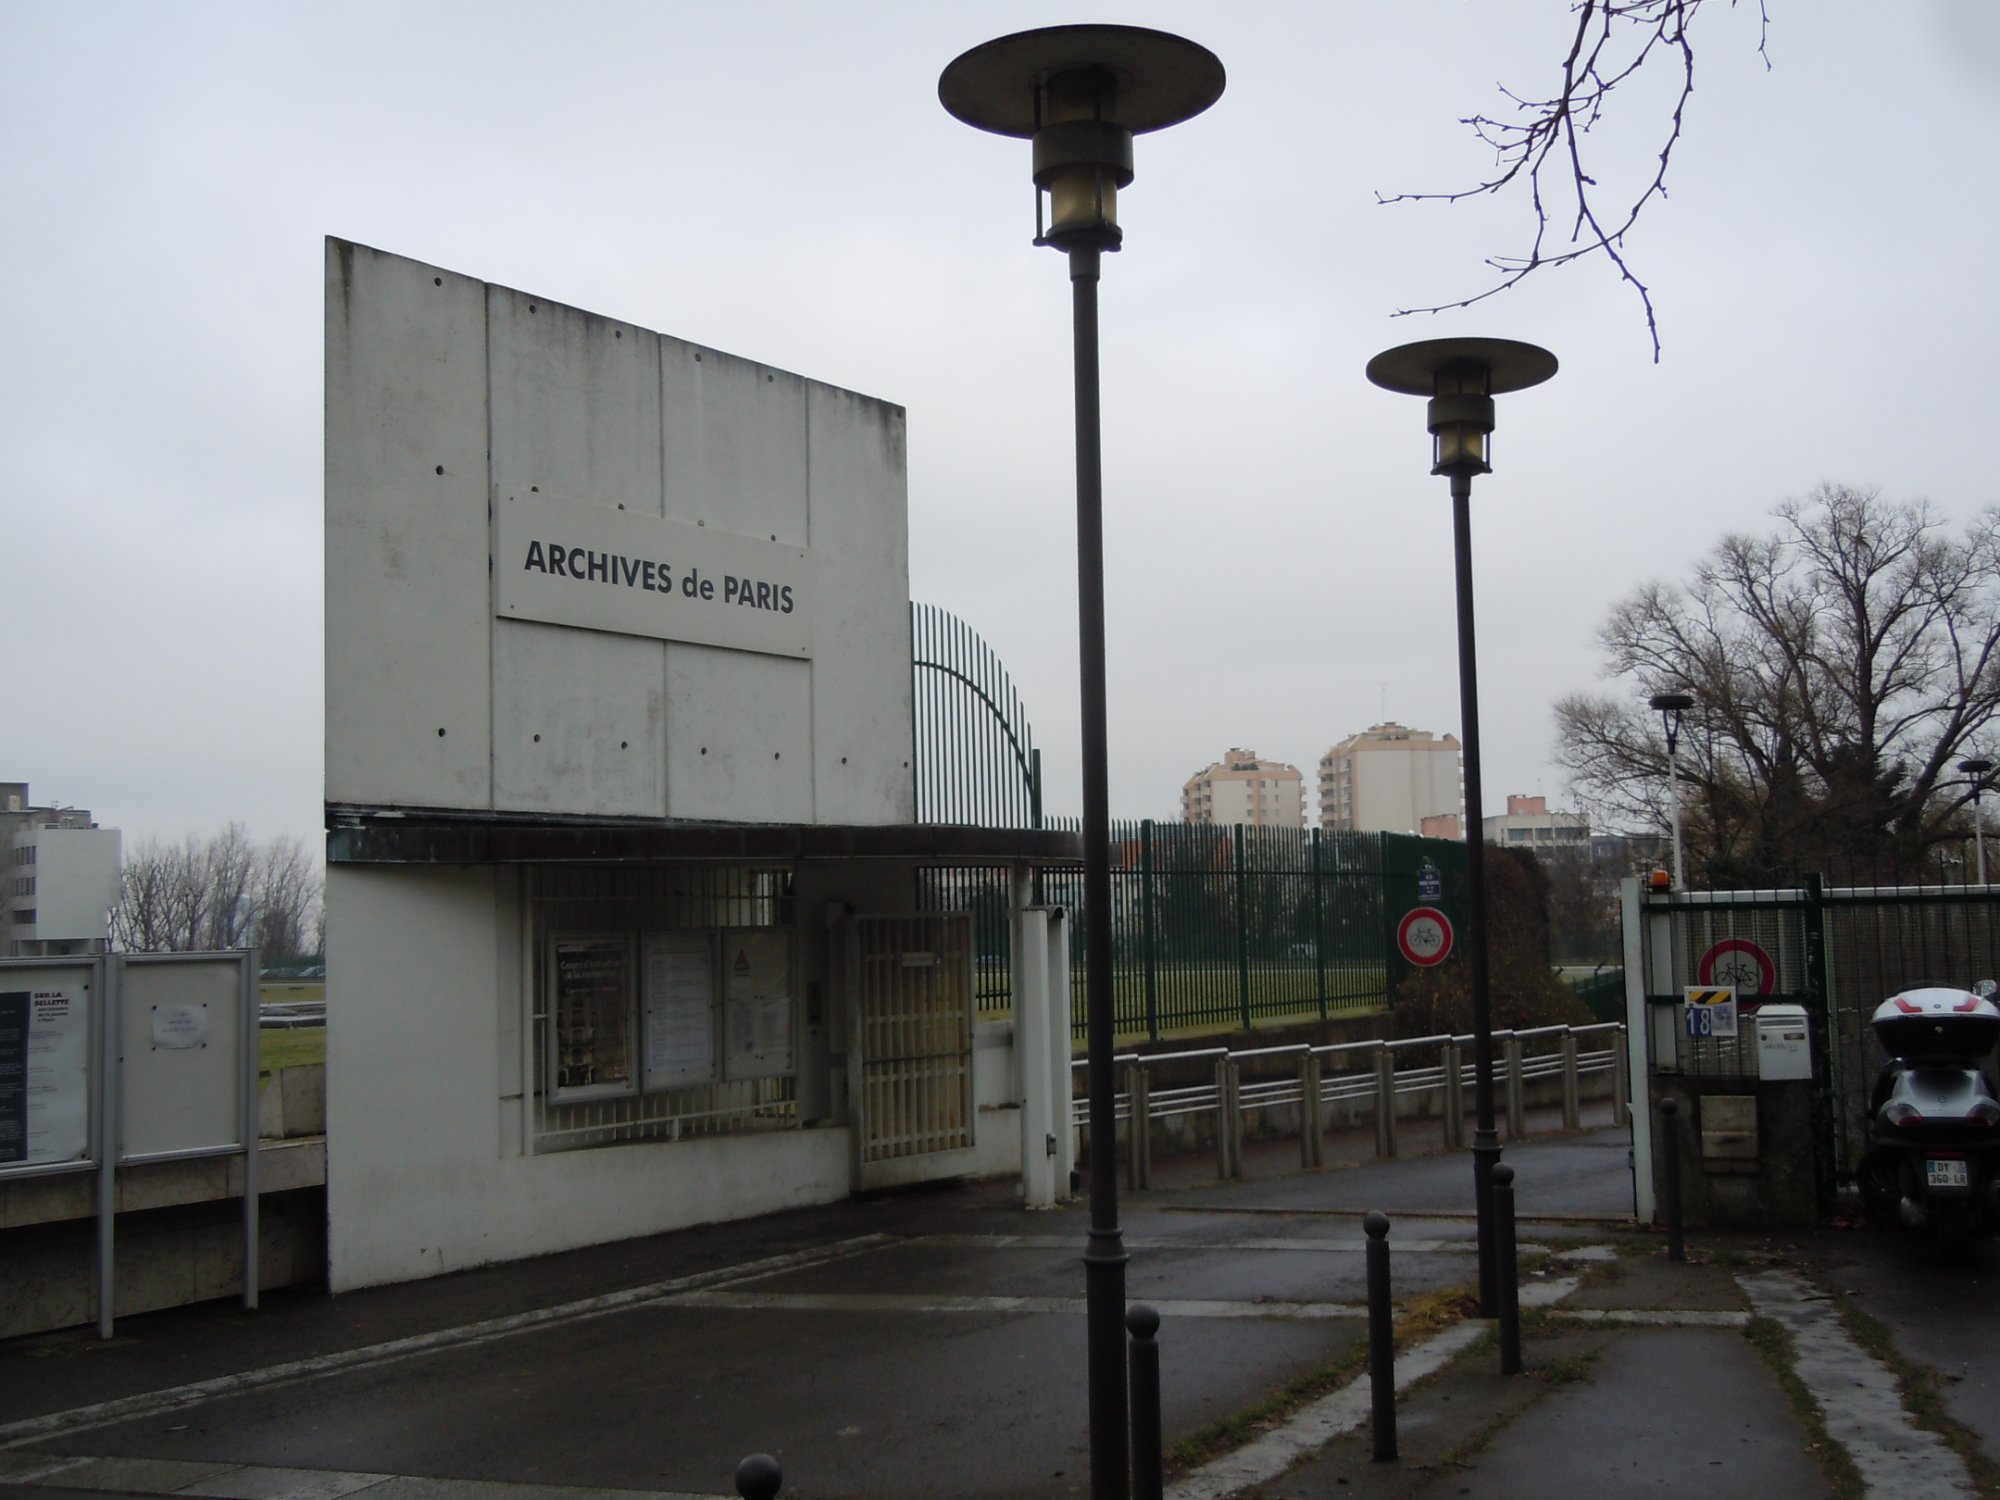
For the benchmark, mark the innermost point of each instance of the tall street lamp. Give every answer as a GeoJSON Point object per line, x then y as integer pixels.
{"type": "Point", "coordinates": [1671, 706]}
{"type": "Point", "coordinates": [1461, 377]}
{"type": "Point", "coordinates": [1080, 93]}
{"type": "Point", "coordinates": [1978, 770]}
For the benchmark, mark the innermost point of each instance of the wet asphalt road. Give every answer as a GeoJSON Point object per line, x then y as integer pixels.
{"type": "Point", "coordinates": [910, 1345]}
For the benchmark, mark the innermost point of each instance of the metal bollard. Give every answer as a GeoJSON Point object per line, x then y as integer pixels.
{"type": "Point", "coordinates": [1572, 1086]}
{"type": "Point", "coordinates": [1381, 1336]}
{"type": "Point", "coordinates": [1454, 1098]}
{"type": "Point", "coordinates": [1670, 1150]}
{"type": "Point", "coordinates": [1139, 1127]}
{"type": "Point", "coordinates": [1517, 1114]}
{"type": "Point", "coordinates": [1385, 1101]}
{"type": "Point", "coordinates": [758, 1477]}
{"type": "Point", "coordinates": [1619, 1077]}
{"type": "Point", "coordinates": [1228, 1118]}
{"type": "Point", "coordinates": [1148, 1459]}
{"type": "Point", "coordinates": [1507, 1269]}
{"type": "Point", "coordinates": [1312, 1136]}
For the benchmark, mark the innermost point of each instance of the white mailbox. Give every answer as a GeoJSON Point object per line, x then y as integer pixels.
{"type": "Point", "coordinates": [1784, 1045]}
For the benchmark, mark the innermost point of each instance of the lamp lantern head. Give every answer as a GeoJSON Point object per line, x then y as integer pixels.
{"type": "Point", "coordinates": [1461, 377]}
{"type": "Point", "coordinates": [1080, 93]}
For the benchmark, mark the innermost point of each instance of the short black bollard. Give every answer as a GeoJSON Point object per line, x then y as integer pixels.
{"type": "Point", "coordinates": [758, 1477]}
{"type": "Point", "coordinates": [1381, 1336]}
{"type": "Point", "coordinates": [1670, 1153]}
{"type": "Point", "coordinates": [1506, 1270]}
{"type": "Point", "coordinates": [1148, 1477]}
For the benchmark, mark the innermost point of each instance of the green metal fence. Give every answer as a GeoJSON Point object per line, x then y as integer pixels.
{"type": "Point", "coordinates": [1221, 927]}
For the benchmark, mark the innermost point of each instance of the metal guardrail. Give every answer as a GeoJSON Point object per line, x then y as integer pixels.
{"type": "Point", "coordinates": [1343, 1072]}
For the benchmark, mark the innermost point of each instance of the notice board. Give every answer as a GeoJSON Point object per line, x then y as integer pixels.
{"type": "Point", "coordinates": [45, 1051]}
{"type": "Point", "coordinates": [757, 1002]}
{"type": "Point", "coordinates": [181, 1054]}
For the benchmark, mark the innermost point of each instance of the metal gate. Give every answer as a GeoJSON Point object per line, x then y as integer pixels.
{"type": "Point", "coordinates": [911, 979]}
{"type": "Point", "coordinates": [1838, 951]}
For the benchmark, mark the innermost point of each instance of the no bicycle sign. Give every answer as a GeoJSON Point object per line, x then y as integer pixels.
{"type": "Point", "coordinates": [1424, 936]}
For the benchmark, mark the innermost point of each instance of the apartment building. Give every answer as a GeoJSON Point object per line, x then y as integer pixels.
{"type": "Point", "coordinates": [1242, 788]}
{"type": "Point", "coordinates": [1391, 778]}
{"type": "Point", "coordinates": [1528, 824]}
{"type": "Point", "coordinates": [61, 878]}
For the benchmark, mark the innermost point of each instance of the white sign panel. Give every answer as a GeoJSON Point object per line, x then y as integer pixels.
{"type": "Point", "coordinates": [1710, 1011]}
{"type": "Point", "coordinates": [180, 1026]}
{"type": "Point", "coordinates": [567, 563]}
{"type": "Point", "coordinates": [44, 1077]}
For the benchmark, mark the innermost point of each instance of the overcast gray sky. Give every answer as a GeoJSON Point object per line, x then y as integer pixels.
{"type": "Point", "coordinates": [778, 180]}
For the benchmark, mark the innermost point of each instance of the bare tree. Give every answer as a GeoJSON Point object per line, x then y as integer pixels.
{"type": "Point", "coordinates": [225, 891]}
{"type": "Point", "coordinates": [1840, 667]}
{"type": "Point", "coordinates": [1542, 147]}
{"type": "Point", "coordinates": [288, 895]}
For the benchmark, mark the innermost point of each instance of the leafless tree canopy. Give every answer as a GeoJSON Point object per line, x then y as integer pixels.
{"type": "Point", "coordinates": [225, 891]}
{"type": "Point", "coordinates": [1841, 667]}
{"type": "Point", "coordinates": [1542, 145]}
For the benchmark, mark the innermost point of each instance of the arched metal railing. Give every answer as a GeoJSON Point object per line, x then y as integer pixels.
{"type": "Point", "coordinates": [975, 757]}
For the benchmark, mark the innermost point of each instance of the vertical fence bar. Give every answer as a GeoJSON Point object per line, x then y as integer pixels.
{"type": "Point", "coordinates": [1242, 931]}
{"type": "Point", "coordinates": [1149, 958]}
{"type": "Point", "coordinates": [1385, 1101]}
{"type": "Point", "coordinates": [1319, 921]}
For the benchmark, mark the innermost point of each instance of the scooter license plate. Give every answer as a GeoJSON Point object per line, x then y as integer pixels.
{"type": "Point", "coordinates": [1945, 1173]}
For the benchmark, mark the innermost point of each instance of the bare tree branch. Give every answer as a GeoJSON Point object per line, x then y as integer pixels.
{"type": "Point", "coordinates": [1544, 145]}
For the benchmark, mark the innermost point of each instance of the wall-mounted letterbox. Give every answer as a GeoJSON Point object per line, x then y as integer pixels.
{"type": "Point", "coordinates": [1784, 1044]}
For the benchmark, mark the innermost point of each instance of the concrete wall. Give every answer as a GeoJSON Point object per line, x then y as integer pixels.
{"type": "Point", "coordinates": [1772, 1185]}
{"type": "Point", "coordinates": [451, 406]}
{"type": "Point", "coordinates": [426, 1166]}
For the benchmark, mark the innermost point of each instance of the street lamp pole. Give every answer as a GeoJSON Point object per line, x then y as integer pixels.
{"type": "Point", "coordinates": [1080, 93]}
{"type": "Point", "coordinates": [1671, 706]}
{"type": "Point", "coordinates": [1461, 377]}
{"type": "Point", "coordinates": [1978, 770]}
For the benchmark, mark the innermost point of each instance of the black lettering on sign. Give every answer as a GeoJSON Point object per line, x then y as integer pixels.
{"type": "Point", "coordinates": [535, 562]}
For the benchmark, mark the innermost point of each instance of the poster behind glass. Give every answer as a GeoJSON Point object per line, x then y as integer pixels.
{"type": "Point", "coordinates": [592, 1017]}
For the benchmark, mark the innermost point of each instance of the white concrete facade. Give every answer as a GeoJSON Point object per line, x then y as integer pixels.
{"type": "Point", "coordinates": [61, 878]}
{"type": "Point", "coordinates": [593, 590]}
{"type": "Point", "coordinates": [1528, 824]}
{"type": "Point", "coordinates": [449, 400]}
{"type": "Point", "coordinates": [1244, 788]}
{"type": "Point", "coordinates": [1389, 778]}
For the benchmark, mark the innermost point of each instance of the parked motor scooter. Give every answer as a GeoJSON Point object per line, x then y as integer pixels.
{"type": "Point", "coordinates": [1933, 1156]}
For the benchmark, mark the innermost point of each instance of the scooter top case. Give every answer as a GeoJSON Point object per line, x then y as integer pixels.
{"type": "Point", "coordinates": [1938, 1022]}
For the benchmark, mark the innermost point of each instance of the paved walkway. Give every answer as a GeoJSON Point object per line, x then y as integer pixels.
{"type": "Point", "coordinates": [932, 1343]}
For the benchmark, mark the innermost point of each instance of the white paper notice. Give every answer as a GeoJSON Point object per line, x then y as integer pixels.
{"type": "Point", "coordinates": [44, 1079]}
{"type": "Point", "coordinates": [680, 1009]}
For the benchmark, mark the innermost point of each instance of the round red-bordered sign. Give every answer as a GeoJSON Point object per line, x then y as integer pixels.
{"type": "Point", "coordinates": [1740, 962]}
{"type": "Point", "coordinates": [1424, 936]}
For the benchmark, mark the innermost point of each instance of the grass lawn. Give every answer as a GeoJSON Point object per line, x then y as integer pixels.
{"type": "Point", "coordinates": [289, 1048]}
